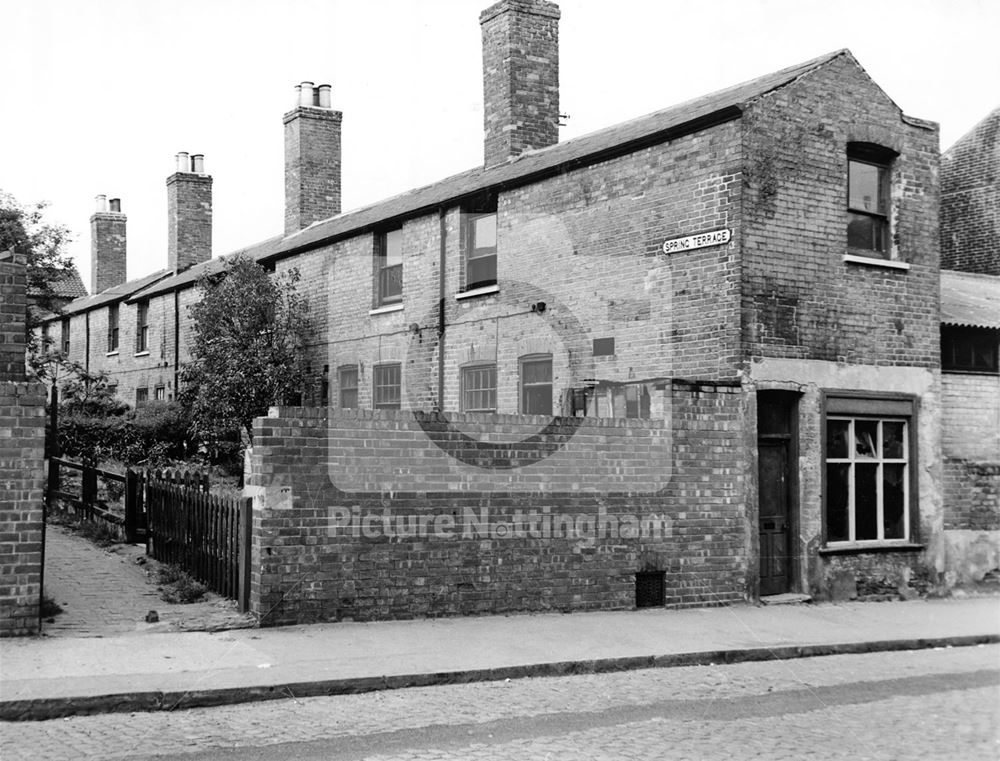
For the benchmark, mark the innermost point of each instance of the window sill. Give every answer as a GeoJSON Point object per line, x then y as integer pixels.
{"type": "Point", "coordinates": [484, 291]}
{"type": "Point", "coordinates": [112, 353]}
{"type": "Point", "coordinates": [956, 371]}
{"type": "Point", "coordinates": [387, 309]}
{"type": "Point", "coordinates": [873, 261]}
{"type": "Point", "coordinates": [142, 353]}
{"type": "Point", "coordinates": [855, 548]}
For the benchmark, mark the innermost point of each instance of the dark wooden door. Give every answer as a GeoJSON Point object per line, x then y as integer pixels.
{"type": "Point", "coordinates": [774, 518]}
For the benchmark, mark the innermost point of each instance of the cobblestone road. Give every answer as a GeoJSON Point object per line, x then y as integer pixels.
{"type": "Point", "coordinates": [105, 592]}
{"type": "Point", "coordinates": [940, 704]}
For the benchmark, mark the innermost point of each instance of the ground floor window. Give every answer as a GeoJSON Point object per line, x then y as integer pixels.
{"type": "Point", "coordinates": [141, 396]}
{"type": "Point", "coordinates": [347, 379]}
{"type": "Point", "coordinates": [536, 385]}
{"type": "Point", "coordinates": [386, 386]}
{"type": "Point", "coordinates": [868, 469]}
{"type": "Point", "coordinates": [479, 388]}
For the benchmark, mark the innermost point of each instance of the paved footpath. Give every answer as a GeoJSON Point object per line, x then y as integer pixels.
{"type": "Point", "coordinates": [106, 592]}
{"type": "Point", "coordinates": [43, 677]}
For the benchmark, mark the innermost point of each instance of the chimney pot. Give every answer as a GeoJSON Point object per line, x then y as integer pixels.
{"type": "Point", "coordinates": [298, 96]}
{"type": "Point", "coordinates": [102, 203]}
{"type": "Point", "coordinates": [307, 94]}
{"type": "Point", "coordinates": [183, 162]}
{"type": "Point", "coordinates": [198, 163]}
{"type": "Point", "coordinates": [116, 205]}
{"type": "Point", "coordinates": [324, 96]}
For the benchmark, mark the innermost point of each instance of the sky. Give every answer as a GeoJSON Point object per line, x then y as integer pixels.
{"type": "Point", "coordinates": [97, 96]}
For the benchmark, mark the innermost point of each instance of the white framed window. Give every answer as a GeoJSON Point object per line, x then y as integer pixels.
{"type": "Point", "coordinates": [142, 327]}
{"type": "Point", "coordinates": [480, 250]}
{"type": "Point", "coordinates": [869, 467]}
{"type": "Point", "coordinates": [869, 177]}
{"type": "Point", "coordinates": [479, 388]}
{"type": "Point", "coordinates": [389, 267]}
{"type": "Point", "coordinates": [387, 382]}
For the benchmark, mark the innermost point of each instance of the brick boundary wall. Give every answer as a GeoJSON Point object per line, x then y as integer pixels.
{"type": "Point", "coordinates": [305, 570]}
{"type": "Point", "coordinates": [22, 438]}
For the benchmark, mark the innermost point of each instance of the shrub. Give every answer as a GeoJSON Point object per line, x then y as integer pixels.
{"type": "Point", "coordinates": [177, 585]}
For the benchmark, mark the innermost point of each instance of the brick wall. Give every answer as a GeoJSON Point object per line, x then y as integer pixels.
{"type": "Point", "coordinates": [13, 301]}
{"type": "Point", "coordinates": [970, 200]}
{"type": "Point", "coordinates": [800, 298]}
{"type": "Point", "coordinates": [587, 243]}
{"type": "Point", "coordinates": [971, 447]}
{"type": "Point", "coordinates": [22, 439]}
{"type": "Point", "coordinates": [308, 566]}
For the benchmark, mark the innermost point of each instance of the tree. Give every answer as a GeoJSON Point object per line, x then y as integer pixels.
{"type": "Point", "coordinates": [250, 331]}
{"type": "Point", "coordinates": [25, 230]}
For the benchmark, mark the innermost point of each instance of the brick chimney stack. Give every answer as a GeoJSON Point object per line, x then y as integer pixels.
{"type": "Point", "coordinates": [189, 213]}
{"type": "Point", "coordinates": [107, 245]}
{"type": "Point", "coordinates": [520, 77]}
{"type": "Point", "coordinates": [312, 158]}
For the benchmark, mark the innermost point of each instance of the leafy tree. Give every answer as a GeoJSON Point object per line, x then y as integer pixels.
{"type": "Point", "coordinates": [250, 330]}
{"type": "Point", "coordinates": [25, 230]}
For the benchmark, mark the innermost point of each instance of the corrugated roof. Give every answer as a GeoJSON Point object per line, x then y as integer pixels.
{"type": "Point", "coordinates": [659, 126]}
{"type": "Point", "coordinates": [970, 299]}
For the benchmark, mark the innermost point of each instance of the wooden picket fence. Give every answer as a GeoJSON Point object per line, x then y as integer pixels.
{"type": "Point", "coordinates": [174, 513]}
{"type": "Point", "coordinates": [205, 534]}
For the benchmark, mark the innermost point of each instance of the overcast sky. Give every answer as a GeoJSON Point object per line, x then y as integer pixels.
{"type": "Point", "coordinates": [97, 96]}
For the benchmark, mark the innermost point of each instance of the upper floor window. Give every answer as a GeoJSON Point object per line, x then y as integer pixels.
{"type": "Point", "coordinates": [347, 380]}
{"type": "Point", "coordinates": [113, 328]}
{"type": "Point", "coordinates": [480, 250]}
{"type": "Point", "coordinates": [479, 388]}
{"type": "Point", "coordinates": [387, 381]}
{"type": "Point", "coordinates": [969, 350]}
{"type": "Point", "coordinates": [536, 385]}
{"type": "Point", "coordinates": [389, 267]}
{"type": "Point", "coordinates": [64, 333]}
{"type": "Point", "coordinates": [142, 326]}
{"type": "Point", "coordinates": [868, 183]}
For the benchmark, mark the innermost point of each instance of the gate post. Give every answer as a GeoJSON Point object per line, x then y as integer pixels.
{"type": "Point", "coordinates": [246, 530]}
{"type": "Point", "coordinates": [131, 506]}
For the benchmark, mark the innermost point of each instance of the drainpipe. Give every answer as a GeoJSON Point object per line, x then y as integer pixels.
{"type": "Point", "coordinates": [86, 343]}
{"type": "Point", "coordinates": [177, 342]}
{"type": "Point", "coordinates": [442, 215]}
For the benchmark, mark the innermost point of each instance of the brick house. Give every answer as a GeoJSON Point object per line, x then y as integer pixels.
{"type": "Point", "coordinates": [721, 318]}
{"type": "Point", "coordinates": [970, 344]}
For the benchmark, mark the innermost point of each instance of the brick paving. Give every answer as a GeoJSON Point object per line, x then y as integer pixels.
{"type": "Point", "coordinates": [937, 704]}
{"type": "Point", "coordinates": [104, 591]}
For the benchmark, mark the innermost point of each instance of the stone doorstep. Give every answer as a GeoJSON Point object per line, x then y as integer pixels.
{"type": "Point", "coordinates": [786, 598]}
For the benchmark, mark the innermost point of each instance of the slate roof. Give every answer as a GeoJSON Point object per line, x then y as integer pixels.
{"type": "Point", "coordinates": [659, 126]}
{"type": "Point", "coordinates": [969, 299]}
{"type": "Point", "coordinates": [117, 293]}
{"type": "Point", "coordinates": [681, 119]}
